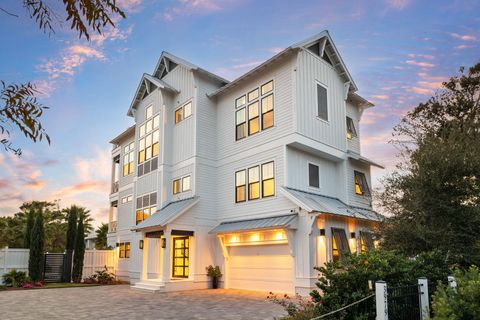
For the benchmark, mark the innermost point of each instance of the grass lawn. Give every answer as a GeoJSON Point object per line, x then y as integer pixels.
{"type": "Point", "coordinates": [65, 285]}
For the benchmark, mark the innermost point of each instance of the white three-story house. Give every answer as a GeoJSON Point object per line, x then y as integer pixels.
{"type": "Point", "coordinates": [262, 176]}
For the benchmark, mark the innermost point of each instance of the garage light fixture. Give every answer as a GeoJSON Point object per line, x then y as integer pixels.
{"type": "Point", "coordinates": [322, 232]}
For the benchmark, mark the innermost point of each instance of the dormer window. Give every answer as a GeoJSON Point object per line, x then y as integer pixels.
{"type": "Point", "coordinates": [351, 132]}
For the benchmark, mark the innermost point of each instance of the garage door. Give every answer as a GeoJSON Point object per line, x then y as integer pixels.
{"type": "Point", "coordinates": [261, 267]}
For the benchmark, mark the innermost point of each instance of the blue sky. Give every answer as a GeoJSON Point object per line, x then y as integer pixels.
{"type": "Point", "coordinates": [398, 52]}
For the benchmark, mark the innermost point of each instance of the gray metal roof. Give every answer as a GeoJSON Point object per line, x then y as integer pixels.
{"type": "Point", "coordinates": [167, 214]}
{"type": "Point", "coordinates": [285, 221]}
{"type": "Point", "coordinates": [358, 157]}
{"type": "Point", "coordinates": [323, 204]}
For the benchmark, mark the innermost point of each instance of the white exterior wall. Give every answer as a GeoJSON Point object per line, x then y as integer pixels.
{"type": "Point", "coordinates": [310, 70]}
{"type": "Point", "coordinates": [204, 147]}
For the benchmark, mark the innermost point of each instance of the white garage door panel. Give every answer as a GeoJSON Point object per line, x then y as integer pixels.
{"type": "Point", "coordinates": [262, 268]}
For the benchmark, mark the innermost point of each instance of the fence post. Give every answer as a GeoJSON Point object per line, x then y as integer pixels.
{"type": "Point", "coordinates": [5, 260]}
{"type": "Point", "coordinates": [424, 298]}
{"type": "Point", "coordinates": [381, 300]}
{"type": "Point", "coordinates": [452, 283]}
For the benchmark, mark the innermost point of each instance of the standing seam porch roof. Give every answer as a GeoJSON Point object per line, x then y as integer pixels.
{"type": "Point", "coordinates": [167, 214]}
{"type": "Point", "coordinates": [323, 204]}
{"type": "Point", "coordinates": [285, 221]}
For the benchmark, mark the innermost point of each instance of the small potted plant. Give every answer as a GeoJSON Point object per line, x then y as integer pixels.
{"type": "Point", "coordinates": [215, 274]}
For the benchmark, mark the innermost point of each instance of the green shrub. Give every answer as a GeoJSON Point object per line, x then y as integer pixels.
{"type": "Point", "coordinates": [15, 278]}
{"type": "Point", "coordinates": [213, 272]}
{"type": "Point", "coordinates": [347, 281]}
{"type": "Point", "coordinates": [463, 303]}
{"type": "Point", "coordinates": [101, 277]}
{"type": "Point", "coordinates": [2, 287]}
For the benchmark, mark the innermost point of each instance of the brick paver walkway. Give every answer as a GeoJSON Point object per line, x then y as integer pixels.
{"type": "Point", "coordinates": [120, 302]}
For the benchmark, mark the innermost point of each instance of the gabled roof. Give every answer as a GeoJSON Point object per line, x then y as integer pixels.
{"type": "Point", "coordinates": [145, 86]}
{"type": "Point", "coordinates": [165, 60]}
{"type": "Point", "coordinates": [316, 203]}
{"type": "Point", "coordinates": [167, 214]}
{"type": "Point", "coordinates": [128, 132]}
{"type": "Point", "coordinates": [286, 221]}
{"type": "Point", "coordinates": [326, 44]}
{"type": "Point", "coordinates": [360, 158]}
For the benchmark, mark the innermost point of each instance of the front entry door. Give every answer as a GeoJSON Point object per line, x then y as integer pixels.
{"type": "Point", "coordinates": [180, 257]}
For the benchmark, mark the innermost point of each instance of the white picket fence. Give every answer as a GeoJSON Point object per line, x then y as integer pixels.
{"type": "Point", "coordinates": [94, 260]}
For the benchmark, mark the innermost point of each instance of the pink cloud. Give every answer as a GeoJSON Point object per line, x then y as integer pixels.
{"type": "Point", "coordinates": [381, 97]}
{"type": "Point", "coordinates": [275, 50]}
{"type": "Point", "coordinates": [129, 5]}
{"type": "Point", "coordinates": [420, 64]}
{"type": "Point", "coordinates": [463, 46]}
{"type": "Point", "coordinates": [464, 37]}
{"type": "Point", "coordinates": [190, 7]}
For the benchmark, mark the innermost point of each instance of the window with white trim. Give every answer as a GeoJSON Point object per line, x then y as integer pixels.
{"type": "Point", "coordinates": [313, 176]}
{"type": "Point", "coordinates": [255, 182]}
{"type": "Point", "coordinates": [182, 184]}
{"type": "Point", "coordinates": [322, 102]}
{"type": "Point", "coordinates": [183, 112]}
{"type": "Point", "coordinates": [254, 111]}
{"type": "Point", "coordinates": [148, 143]}
{"type": "Point", "coordinates": [146, 206]}
{"type": "Point", "coordinates": [124, 250]}
{"type": "Point", "coordinates": [128, 154]}
{"type": "Point", "coordinates": [127, 199]}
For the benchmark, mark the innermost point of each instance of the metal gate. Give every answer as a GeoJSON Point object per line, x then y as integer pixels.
{"type": "Point", "coordinates": [404, 303]}
{"type": "Point", "coordinates": [53, 267]}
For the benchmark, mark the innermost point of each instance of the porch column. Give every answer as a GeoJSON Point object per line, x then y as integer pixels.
{"type": "Point", "coordinates": [144, 272]}
{"type": "Point", "coordinates": [166, 265]}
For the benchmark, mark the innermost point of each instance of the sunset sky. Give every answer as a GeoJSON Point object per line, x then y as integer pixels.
{"type": "Point", "coordinates": [398, 52]}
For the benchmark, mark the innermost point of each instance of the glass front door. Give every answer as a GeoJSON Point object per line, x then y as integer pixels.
{"type": "Point", "coordinates": [180, 257]}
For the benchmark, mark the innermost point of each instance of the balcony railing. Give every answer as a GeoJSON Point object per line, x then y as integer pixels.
{"type": "Point", "coordinates": [112, 226]}
{"type": "Point", "coordinates": [115, 187]}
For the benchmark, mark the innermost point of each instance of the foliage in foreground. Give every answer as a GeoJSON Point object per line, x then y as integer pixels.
{"type": "Point", "coordinates": [14, 278]}
{"type": "Point", "coordinates": [462, 303]}
{"type": "Point", "coordinates": [433, 196]}
{"type": "Point", "coordinates": [35, 259]}
{"type": "Point", "coordinates": [79, 252]}
{"type": "Point", "coordinates": [101, 277]}
{"type": "Point", "coordinates": [344, 282]}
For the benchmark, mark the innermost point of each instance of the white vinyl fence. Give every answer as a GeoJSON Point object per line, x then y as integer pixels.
{"type": "Point", "coordinates": [94, 260]}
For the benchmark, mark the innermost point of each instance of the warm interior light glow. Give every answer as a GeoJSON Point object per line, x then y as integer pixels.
{"type": "Point", "coordinates": [280, 235]}
{"type": "Point", "coordinates": [255, 237]}
{"type": "Point", "coordinates": [376, 244]}
{"type": "Point", "coordinates": [353, 244]}
{"type": "Point", "coordinates": [234, 239]}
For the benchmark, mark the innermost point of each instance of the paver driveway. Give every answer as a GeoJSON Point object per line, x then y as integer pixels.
{"type": "Point", "coordinates": [120, 302]}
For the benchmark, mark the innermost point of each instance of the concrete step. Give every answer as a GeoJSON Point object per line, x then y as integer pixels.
{"type": "Point", "coordinates": [150, 286]}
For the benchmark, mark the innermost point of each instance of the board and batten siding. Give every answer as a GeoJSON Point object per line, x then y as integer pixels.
{"type": "Point", "coordinates": [311, 70]}
{"type": "Point", "coordinates": [125, 211]}
{"type": "Point", "coordinates": [182, 134]}
{"type": "Point", "coordinates": [330, 173]}
{"type": "Point", "coordinates": [282, 75]}
{"type": "Point", "coordinates": [263, 207]}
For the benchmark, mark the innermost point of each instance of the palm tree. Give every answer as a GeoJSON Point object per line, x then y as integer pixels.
{"type": "Point", "coordinates": [101, 239]}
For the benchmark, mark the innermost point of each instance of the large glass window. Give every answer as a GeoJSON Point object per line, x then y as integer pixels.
{"type": "Point", "coordinates": [128, 154]}
{"type": "Point", "coordinates": [322, 102]}
{"type": "Point", "coordinates": [361, 185]}
{"type": "Point", "coordinates": [146, 206]}
{"type": "Point", "coordinates": [148, 143]}
{"type": "Point", "coordinates": [268, 180]}
{"type": "Point", "coordinates": [240, 186]}
{"type": "Point", "coordinates": [259, 111]}
{"type": "Point", "coordinates": [180, 257]}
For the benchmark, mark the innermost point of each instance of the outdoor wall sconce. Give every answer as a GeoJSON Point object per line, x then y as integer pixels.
{"type": "Point", "coordinates": [164, 243]}
{"type": "Point", "coordinates": [352, 235]}
{"type": "Point", "coordinates": [322, 232]}
{"type": "Point", "coordinates": [140, 245]}
{"type": "Point", "coordinates": [117, 244]}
